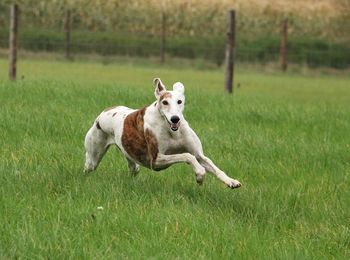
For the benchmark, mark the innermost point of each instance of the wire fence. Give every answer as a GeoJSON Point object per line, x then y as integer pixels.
{"type": "Point", "coordinates": [191, 48]}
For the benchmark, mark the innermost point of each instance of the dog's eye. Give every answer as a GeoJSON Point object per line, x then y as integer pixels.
{"type": "Point", "coordinates": [179, 102]}
{"type": "Point", "coordinates": [165, 102]}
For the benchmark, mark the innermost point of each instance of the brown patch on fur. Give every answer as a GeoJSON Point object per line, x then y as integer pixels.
{"type": "Point", "coordinates": [114, 114]}
{"type": "Point", "coordinates": [141, 145]}
{"type": "Point", "coordinates": [109, 108]}
{"type": "Point", "coordinates": [152, 146]}
{"type": "Point", "coordinates": [165, 95]}
{"type": "Point", "coordinates": [98, 125]}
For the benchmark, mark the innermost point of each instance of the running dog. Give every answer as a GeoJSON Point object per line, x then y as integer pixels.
{"type": "Point", "coordinates": [155, 136]}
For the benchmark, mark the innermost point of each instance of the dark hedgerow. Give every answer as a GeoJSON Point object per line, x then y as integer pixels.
{"type": "Point", "coordinates": [310, 51]}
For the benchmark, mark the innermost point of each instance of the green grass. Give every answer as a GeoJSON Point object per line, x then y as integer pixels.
{"type": "Point", "coordinates": [285, 137]}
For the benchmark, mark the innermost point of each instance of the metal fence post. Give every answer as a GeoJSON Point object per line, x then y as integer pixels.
{"type": "Point", "coordinates": [13, 42]}
{"type": "Point", "coordinates": [284, 45]}
{"type": "Point", "coordinates": [67, 32]}
{"type": "Point", "coordinates": [162, 39]}
{"type": "Point", "coordinates": [230, 51]}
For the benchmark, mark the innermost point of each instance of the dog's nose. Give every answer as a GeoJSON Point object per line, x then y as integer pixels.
{"type": "Point", "coordinates": [175, 119]}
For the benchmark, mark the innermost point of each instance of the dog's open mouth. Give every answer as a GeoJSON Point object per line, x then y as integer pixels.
{"type": "Point", "coordinates": [173, 126]}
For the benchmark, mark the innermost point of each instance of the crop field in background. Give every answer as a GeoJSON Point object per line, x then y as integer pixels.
{"type": "Point", "coordinates": [327, 19]}
{"type": "Point", "coordinates": [318, 31]}
{"type": "Point", "coordinates": [285, 137]}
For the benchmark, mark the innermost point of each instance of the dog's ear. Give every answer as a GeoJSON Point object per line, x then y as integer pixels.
{"type": "Point", "coordinates": [179, 87]}
{"type": "Point", "coordinates": [159, 87]}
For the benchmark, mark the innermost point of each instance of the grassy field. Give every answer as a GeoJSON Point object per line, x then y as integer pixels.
{"type": "Point", "coordinates": [285, 137]}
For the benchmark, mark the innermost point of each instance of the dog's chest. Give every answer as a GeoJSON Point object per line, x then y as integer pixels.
{"type": "Point", "coordinates": [169, 144]}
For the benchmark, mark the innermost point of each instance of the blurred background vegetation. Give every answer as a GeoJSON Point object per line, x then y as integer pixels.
{"type": "Point", "coordinates": [319, 30]}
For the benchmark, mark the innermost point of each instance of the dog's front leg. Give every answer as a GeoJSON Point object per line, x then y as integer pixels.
{"type": "Point", "coordinates": [166, 160]}
{"type": "Point", "coordinates": [211, 167]}
{"type": "Point", "coordinates": [194, 146]}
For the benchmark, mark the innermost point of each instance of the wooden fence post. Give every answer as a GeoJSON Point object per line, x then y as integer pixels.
{"type": "Point", "coordinates": [284, 45]}
{"type": "Point", "coordinates": [13, 41]}
{"type": "Point", "coordinates": [67, 31]}
{"type": "Point", "coordinates": [162, 38]}
{"type": "Point", "coordinates": [230, 51]}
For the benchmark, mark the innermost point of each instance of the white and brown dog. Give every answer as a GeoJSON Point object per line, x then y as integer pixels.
{"type": "Point", "coordinates": [156, 136]}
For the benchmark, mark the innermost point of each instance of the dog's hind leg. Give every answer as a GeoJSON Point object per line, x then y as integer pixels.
{"type": "Point", "coordinates": [134, 168]}
{"type": "Point", "coordinates": [96, 145]}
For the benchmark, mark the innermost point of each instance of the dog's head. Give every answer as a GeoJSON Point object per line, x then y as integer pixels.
{"type": "Point", "coordinates": [170, 103]}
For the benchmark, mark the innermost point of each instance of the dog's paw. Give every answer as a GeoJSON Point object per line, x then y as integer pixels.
{"type": "Point", "coordinates": [87, 170]}
{"type": "Point", "coordinates": [89, 166]}
{"type": "Point", "coordinates": [200, 178]}
{"type": "Point", "coordinates": [233, 184]}
{"type": "Point", "coordinates": [134, 170]}
{"type": "Point", "coordinates": [200, 173]}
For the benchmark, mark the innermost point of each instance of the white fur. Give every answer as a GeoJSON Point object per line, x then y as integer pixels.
{"type": "Point", "coordinates": [182, 145]}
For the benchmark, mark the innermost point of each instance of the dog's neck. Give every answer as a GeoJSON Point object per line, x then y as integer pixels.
{"type": "Point", "coordinates": [156, 113]}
